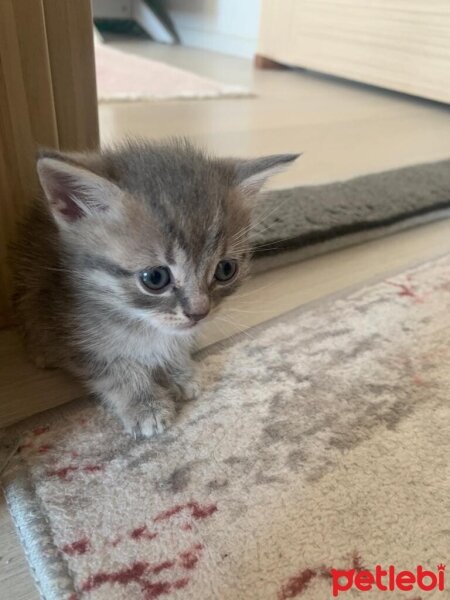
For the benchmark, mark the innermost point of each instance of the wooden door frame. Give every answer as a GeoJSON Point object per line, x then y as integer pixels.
{"type": "Point", "coordinates": [48, 98]}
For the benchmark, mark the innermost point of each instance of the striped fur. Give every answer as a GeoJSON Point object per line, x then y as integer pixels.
{"type": "Point", "coordinates": [104, 217]}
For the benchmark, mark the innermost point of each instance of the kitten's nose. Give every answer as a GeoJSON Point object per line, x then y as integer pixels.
{"type": "Point", "coordinates": [197, 316]}
{"type": "Point", "coordinates": [198, 308]}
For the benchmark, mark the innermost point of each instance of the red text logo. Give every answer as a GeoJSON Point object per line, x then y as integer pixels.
{"type": "Point", "coordinates": [388, 579]}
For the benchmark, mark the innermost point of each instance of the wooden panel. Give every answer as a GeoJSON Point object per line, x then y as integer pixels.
{"type": "Point", "coordinates": [17, 144]}
{"type": "Point", "coordinates": [6, 222]}
{"type": "Point", "coordinates": [47, 98]}
{"type": "Point", "coordinates": [36, 71]}
{"type": "Point", "coordinates": [71, 50]}
{"type": "Point", "coordinates": [24, 389]}
{"type": "Point", "coordinates": [402, 45]}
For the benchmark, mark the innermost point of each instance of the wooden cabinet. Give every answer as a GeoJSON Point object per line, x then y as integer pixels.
{"type": "Point", "coordinates": [402, 45]}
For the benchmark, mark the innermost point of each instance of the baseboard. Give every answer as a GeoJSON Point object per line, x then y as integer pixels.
{"type": "Point", "coordinates": [217, 42]}
{"type": "Point", "coordinates": [25, 389]}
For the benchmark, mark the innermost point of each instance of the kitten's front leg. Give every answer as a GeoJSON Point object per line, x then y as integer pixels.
{"type": "Point", "coordinates": [144, 407]}
{"type": "Point", "coordinates": [184, 377]}
{"type": "Point", "coordinates": [145, 414]}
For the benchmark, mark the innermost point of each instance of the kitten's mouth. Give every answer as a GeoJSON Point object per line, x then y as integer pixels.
{"type": "Point", "coordinates": [186, 325]}
{"type": "Point", "coordinates": [189, 325]}
{"type": "Point", "coordinates": [183, 326]}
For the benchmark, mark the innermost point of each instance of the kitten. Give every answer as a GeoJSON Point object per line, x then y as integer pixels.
{"type": "Point", "coordinates": [125, 253]}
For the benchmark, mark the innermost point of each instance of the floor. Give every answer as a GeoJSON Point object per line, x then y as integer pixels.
{"type": "Point", "coordinates": [343, 128]}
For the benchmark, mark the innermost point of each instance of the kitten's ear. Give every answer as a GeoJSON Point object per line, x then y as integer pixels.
{"type": "Point", "coordinates": [252, 174]}
{"type": "Point", "coordinates": [74, 193]}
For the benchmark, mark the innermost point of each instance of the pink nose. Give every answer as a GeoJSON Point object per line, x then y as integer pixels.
{"type": "Point", "coordinates": [197, 308]}
{"type": "Point", "coordinates": [197, 316]}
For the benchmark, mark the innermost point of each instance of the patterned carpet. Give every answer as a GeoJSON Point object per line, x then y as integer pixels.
{"type": "Point", "coordinates": [320, 442]}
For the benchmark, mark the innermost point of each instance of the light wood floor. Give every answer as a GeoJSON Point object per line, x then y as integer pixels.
{"type": "Point", "coordinates": [344, 129]}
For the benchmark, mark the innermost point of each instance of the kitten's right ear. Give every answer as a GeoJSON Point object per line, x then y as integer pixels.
{"type": "Point", "coordinates": [252, 174]}
{"type": "Point", "coordinates": [74, 193]}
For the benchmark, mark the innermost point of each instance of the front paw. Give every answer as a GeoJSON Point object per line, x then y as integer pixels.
{"type": "Point", "coordinates": [149, 420]}
{"type": "Point", "coordinates": [188, 390]}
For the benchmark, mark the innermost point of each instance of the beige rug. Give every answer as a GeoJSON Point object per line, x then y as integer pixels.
{"type": "Point", "coordinates": [320, 442]}
{"type": "Point", "coordinates": [125, 77]}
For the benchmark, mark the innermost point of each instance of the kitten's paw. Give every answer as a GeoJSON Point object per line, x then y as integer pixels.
{"type": "Point", "coordinates": [188, 390]}
{"type": "Point", "coordinates": [152, 425]}
{"type": "Point", "coordinates": [154, 420]}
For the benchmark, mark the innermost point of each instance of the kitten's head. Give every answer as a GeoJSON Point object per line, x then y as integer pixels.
{"type": "Point", "coordinates": [155, 231]}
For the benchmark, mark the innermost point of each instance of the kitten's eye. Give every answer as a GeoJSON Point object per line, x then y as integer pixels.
{"type": "Point", "coordinates": [155, 279]}
{"type": "Point", "coordinates": [226, 270]}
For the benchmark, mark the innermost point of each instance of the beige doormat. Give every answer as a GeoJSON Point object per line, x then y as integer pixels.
{"type": "Point", "coordinates": [320, 441]}
{"type": "Point", "coordinates": [124, 77]}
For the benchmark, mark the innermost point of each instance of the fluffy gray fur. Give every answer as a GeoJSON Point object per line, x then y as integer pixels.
{"type": "Point", "coordinates": [102, 219]}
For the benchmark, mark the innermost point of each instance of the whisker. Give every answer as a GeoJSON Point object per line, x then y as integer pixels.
{"type": "Point", "coordinates": [238, 295]}
{"type": "Point", "coordinates": [235, 324]}
{"type": "Point", "coordinates": [221, 329]}
{"type": "Point", "coordinates": [249, 312]}
{"type": "Point", "coordinates": [61, 270]}
{"type": "Point", "coordinates": [254, 224]}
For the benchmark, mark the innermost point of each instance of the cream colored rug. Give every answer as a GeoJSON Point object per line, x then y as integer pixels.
{"type": "Point", "coordinates": [321, 441]}
{"type": "Point", "coordinates": [125, 77]}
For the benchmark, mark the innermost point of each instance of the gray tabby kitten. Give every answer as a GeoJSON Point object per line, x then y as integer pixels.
{"type": "Point", "coordinates": [126, 252]}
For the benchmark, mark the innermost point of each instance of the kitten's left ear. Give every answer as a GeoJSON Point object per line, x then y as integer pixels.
{"type": "Point", "coordinates": [74, 193]}
{"type": "Point", "coordinates": [252, 174]}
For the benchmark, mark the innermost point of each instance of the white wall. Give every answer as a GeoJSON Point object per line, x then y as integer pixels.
{"type": "Point", "coordinates": [111, 9]}
{"type": "Point", "coordinates": [227, 26]}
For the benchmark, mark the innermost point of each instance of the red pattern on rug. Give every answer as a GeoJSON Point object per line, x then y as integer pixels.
{"type": "Point", "coordinates": [142, 572]}
{"type": "Point", "coordinates": [295, 586]}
